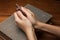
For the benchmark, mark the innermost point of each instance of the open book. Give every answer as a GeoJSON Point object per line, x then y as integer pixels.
{"type": "Point", "coordinates": [9, 28]}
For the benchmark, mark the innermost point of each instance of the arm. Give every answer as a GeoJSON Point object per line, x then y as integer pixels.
{"type": "Point", "coordinates": [49, 28]}
{"type": "Point", "coordinates": [46, 27]}
{"type": "Point", "coordinates": [31, 35]}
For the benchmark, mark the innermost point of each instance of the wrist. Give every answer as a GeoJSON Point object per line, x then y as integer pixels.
{"type": "Point", "coordinates": [39, 25]}
{"type": "Point", "coordinates": [30, 35]}
{"type": "Point", "coordinates": [29, 30]}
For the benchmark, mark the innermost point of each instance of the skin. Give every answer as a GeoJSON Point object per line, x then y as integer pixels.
{"type": "Point", "coordinates": [25, 23]}
{"type": "Point", "coordinates": [49, 28]}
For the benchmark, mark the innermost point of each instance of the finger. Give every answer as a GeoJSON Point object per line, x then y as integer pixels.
{"type": "Point", "coordinates": [19, 13]}
{"type": "Point", "coordinates": [30, 11]}
{"type": "Point", "coordinates": [17, 19]}
{"type": "Point", "coordinates": [25, 11]}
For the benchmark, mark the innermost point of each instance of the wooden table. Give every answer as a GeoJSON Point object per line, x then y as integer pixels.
{"type": "Point", "coordinates": [7, 8]}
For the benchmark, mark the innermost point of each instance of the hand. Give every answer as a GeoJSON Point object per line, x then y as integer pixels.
{"type": "Point", "coordinates": [22, 21]}
{"type": "Point", "coordinates": [29, 15]}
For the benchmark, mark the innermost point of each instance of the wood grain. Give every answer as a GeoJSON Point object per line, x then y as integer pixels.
{"type": "Point", "coordinates": [7, 8]}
